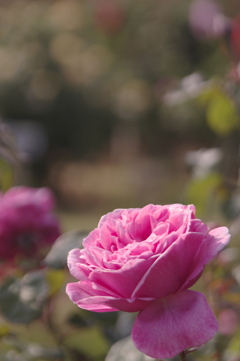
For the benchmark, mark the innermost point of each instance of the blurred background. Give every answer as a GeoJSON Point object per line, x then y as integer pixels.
{"type": "Point", "coordinates": [105, 98]}
{"type": "Point", "coordinates": [116, 104]}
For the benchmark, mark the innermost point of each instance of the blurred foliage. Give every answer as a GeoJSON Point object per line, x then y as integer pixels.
{"type": "Point", "coordinates": [222, 114]}
{"type": "Point", "coordinates": [86, 66]}
{"type": "Point", "coordinates": [205, 193]}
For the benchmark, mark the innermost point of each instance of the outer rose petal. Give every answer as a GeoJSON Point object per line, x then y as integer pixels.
{"type": "Point", "coordinates": [222, 237]}
{"type": "Point", "coordinates": [174, 323]}
{"type": "Point", "coordinates": [116, 282]}
{"type": "Point", "coordinates": [84, 296]}
{"type": "Point", "coordinates": [72, 261]}
{"type": "Point", "coordinates": [172, 268]}
{"type": "Point", "coordinates": [180, 266]}
{"type": "Point", "coordinates": [216, 240]}
{"type": "Point", "coordinates": [81, 292]}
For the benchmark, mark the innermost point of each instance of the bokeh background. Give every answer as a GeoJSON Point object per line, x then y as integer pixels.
{"type": "Point", "coordinates": [119, 103]}
{"type": "Point", "coordinates": [85, 87]}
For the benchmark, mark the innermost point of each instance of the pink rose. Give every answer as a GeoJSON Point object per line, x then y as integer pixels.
{"type": "Point", "coordinates": [27, 223]}
{"type": "Point", "coordinates": [146, 260]}
{"type": "Point", "coordinates": [228, 322]}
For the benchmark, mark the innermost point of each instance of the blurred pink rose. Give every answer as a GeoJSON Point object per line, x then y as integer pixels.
{"type": "Point", "coordinates": [206, 19]}
{"type": "Point", "coordinates": [235, 38]}
{"type": "Point", "coordinates": [27, 223]}
{"type": "Point", "coordinates": [109, 15]}
{"type": "Point", "coordinates": [228, 322]}
{"type": "Point", "coordinates": [145, 260]}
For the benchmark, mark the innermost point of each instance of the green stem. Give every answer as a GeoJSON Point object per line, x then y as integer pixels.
{"type": "Point", "coordinates": [182, 356]}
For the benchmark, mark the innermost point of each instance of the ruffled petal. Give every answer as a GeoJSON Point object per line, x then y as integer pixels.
{"type": "Point", "coordinates": [84, 296]}
{"type": "Point", "coordinates": [123, 281]}
{"type": "Point", "coordinates": [171, 269]}
{"type": "Point", "coordinates": [172, 324]}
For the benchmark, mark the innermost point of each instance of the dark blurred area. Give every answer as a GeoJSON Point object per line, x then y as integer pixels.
{"type": "Point", "coordinates": [82, 86]}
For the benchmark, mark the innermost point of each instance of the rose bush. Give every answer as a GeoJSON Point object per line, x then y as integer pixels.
{"type": "Point", "coordinates": [146, 260]}
{"type": "Point", "coordinates": [27, 223]}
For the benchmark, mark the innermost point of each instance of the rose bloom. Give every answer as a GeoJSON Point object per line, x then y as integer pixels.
{"type": "Point", "coordinates": [27, 223]}
{"type": "Point", "coordinates": [146, 260]}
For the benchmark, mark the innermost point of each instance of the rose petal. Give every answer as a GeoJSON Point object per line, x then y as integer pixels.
{"type": "Point", "coordinates": [222, 236]}
{"type": "Point", "coordinates": [83, 294]}
{"type": "Point", "coordinates": [72, 261]}
{"type": "Point", "coordinates": [172, 324]}
{"type": "Point", "coordinates": [216, 240]}
{"type": "Point", "coordinates": [180, 266]}
{"type": "Point", "coordinates": [121, 282]}
{"type": "Point", "coordinates": [171, 269]}
{"type": "Point", "coordinates": [80, 292]}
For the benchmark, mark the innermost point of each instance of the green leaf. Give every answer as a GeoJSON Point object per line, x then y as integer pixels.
{"type": "Point", "coordinates": [4, 329]}
{"type": "Point", "coordinates": [6, 175]}
{"type": "Point", "coordinates": [21, 301]}
{"type": "Point", "coordinates": [222, 115]}
{"type": "Point", "coordinates": [202, 191]}
{"type": "Point", "coordinates": [84, 341]}
{"type": "Point", "coordinates": [57, 257]}
{"type": "Point", "coordinates": [234, 345]}
{"type": "Point", "coordinates": [55, 280]}
{"type": "Point", "coordinates": [206, 96]}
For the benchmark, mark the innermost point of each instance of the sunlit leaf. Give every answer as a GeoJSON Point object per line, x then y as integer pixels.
{"type": "Point", "coordinates": [206, 96]}
{"type": "Point", "coordinates": [55, 279]}
{"type": "Point", "coordinates": [6, 175]}
{"type": "Point", "coordinates": [234, 345]}
{"type": "Point", "coordinates": [9, 157]}
{"type": "Point", "coordinates": [4, 329]}
{"type": "Point", "coordinates": [84, 341]}
{"type": "Point", "coordinates": [202, 191]}
{"type": "Point", "coordinates": [222, 115]}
